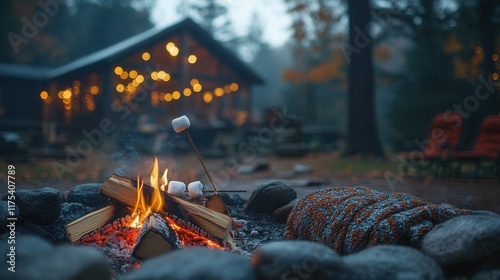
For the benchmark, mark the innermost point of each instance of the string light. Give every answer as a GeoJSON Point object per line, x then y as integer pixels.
{"type": "Point", "coordinates": [192, 59]}
{"type": "Point", "coordinates": [146, 56]}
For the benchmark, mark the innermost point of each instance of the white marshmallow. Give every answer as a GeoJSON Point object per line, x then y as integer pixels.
{"type": "Point", "coordinates": [195, 189]}
{"type": "Point", "coordinates": [181, 123]}
{"type": "Point", "coordinates": [176, 188]}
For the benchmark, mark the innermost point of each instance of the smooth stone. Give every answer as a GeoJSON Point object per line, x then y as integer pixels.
{"type": "Point", "coordinates": [5, 213]}
{"type": "Point", "coordinates": [268, 197]}
{"type": "Point", "coordinates": [37, 259]}
{"type": "Point", "coordinates": [462, 243]}
{"type": "Point", "coordinates": [67, 263]}
{"type": "Point", "coordinates": [298, 259]}
{"type": "Point", "coordinates": [56, 231]}
{"type": "Point", "coordinates": [27, 247]}
{"type": "Point", "coordinates": [40, 206]}
{"type": "Point", "coordinates": [487, 274]}
{"type": "Point", "coordinates": [195, 263]}
{"type": "Point", "coordinates": [88, 194]}
{"type": "Point", "coordinates": [281, 214]}
{"type": "Point", "coordinates": [393, 262]}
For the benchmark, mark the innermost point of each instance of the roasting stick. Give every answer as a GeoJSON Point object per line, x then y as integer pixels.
{"type": "Point", "coordinates": [182, 123]}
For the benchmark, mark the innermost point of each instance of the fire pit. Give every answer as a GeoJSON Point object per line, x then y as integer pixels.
{"type": "Point", "coordinates": [147, 221]}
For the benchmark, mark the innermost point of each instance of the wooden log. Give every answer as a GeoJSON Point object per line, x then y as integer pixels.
{"type": "Point", "coordinates": [216, 203]}
{"type": "Point", "coordinates": [156, 238]}
{"type": "Point", "coordinates": [124, 190]}
{"type": "Point", "coordinates": [92, 221]}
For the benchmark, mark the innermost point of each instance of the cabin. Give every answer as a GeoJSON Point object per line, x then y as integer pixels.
{"type": "Point", "coordinates": [141, 83]}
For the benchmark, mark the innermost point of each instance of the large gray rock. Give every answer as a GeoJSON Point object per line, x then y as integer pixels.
{"type": "Point", "coordinates": [89, 195]}
{"type": "Point", "coordinates": [27, 247]}
{"type": "Point", "coordinates": [281, 214]}
{"type": "Point", "coordinates": [487, 274]}
{"type": "Point", "coordinates": [40, 206]}
{"type": "Point", "coordinates": [393, 262]}
{"type": "Point", "coordinates": [67, 263]}
{"type": "Point", "coordinates": [270, 196]}
{"type": "Point", "coordinates": [298, 260]}
{"type": "Point", "coordinates": [461, 243]}
{"type": "Point", "coordinates": [36, 259]}
{"type": "Point", "coordinates": [195, 263]}
{"type": "Point", "coordinates": [5, 213]}
{"type": "Point", "coordinates": [56, 231]}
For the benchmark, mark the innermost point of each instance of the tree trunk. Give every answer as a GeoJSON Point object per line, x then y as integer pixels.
{"type": "Point", "coordinates": [362, 131]}
{"type": "Point", "coordinates": [486, 8]}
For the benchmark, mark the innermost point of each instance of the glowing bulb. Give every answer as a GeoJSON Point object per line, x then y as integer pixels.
{"type": "Point", "coordinates": [197, 87]}
{"type": "Point", "coordinates": [66, 94]}
{"type": "Point", "coordinates": [140, 79]}
{"type": "Point", "coordinates": [194, 82]}
{"type": "Point", "coordinates": [174, 51]}
{"type": "Point", "coordinates": [124, 75]}
{"type": "Point", "coordinates": [168, 97]}
{"type": "Point", "coordinates": [154, 75]}
{"type": "Point", "coordinates": [94, 90]}
{"type": "Point", "coordinates": [192, 59]}
{"type": "Point", "coordinates": [118, 70]}
{"type": "Point", "coordinates": [207, 97]}
{"type": "Point", "coordinates": [219, 92]}
{"type": "Point", "coordinates": [120, 88]}
{"type": "Point", "coordinates": [166, 78]}
{"type": "Point", "coordinates": [44, 95]}
{"type": "Point", "coordinates": [176, 95]}
{"type": "Point", "coordinates": [234, 87]}
{"type": "Point", "coordinates": [146, 56]}
{"type": "Point", "coordinates": [132, 74]}
{"type": "Point", "coordinates": [187, 92]}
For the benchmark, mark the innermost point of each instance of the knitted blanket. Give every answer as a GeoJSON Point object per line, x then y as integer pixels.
{"type": "Point", "coordinates": [351, 219]}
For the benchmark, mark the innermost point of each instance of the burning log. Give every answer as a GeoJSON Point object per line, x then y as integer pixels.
{"type": "Point", "coordinates": [216, 224]}
{"type": "Point", "coordinates": [156, 238]}
{"type": "Point", "coordinates": [94, 220]}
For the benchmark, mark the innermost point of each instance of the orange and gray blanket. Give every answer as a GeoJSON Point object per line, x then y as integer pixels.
{"type": "Point", "coordinates": [351, 219]}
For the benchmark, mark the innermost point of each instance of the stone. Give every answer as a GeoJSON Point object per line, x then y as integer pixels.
{"type": "Point", "coordinates": [195, 263]}
{"type": "Point", "coordinates": [268, 197]}
{"type": "Point", "coordinates": [302, 169]}
{"type": "Point", "coordinates": [298, 260]}
{"type": "Point", "coordinates": [462, 243]}
{"type": "Point", "coordinates": [281, 214]}
{"type": "Point", "coordinates": [259, 165]}
{"type": "Point", "coordinates": [487, 274]}
{"type": "Point", "coordinates": [65, 263]}
{"type": "Point", "coordinates": [393, 262]}
{"type": "Point", "coordinates": [27, 247]}
{"type": "Point", "coordinates": [350, 219]}
{"type": "Point", "coordinates": [88, 194]}
{"type": "Point", "coordinates": [4, 214]}
{"type": "Point", "coordinates": [40, 206]}
{"type": "Point", "coordinates": [56, 231]}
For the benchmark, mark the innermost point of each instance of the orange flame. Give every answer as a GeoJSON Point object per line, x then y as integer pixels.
{"type": "Point", "coordinates": [142, 209]}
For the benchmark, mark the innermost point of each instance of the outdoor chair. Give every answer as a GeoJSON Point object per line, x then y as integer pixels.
{"type": "Point", "coordinates": [444, 136]}
{"type": "Point", "coordinates": [485, 153]}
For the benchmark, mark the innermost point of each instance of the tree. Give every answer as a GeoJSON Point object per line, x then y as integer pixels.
{"type": "Point", "coordinates": [71, 30]}
{"type": "Point", "coordinates": [213, 16]}
{"type": "Point", "coordinates": [362, 131]}
{"type": "Point", "coordinates": [315, 62]}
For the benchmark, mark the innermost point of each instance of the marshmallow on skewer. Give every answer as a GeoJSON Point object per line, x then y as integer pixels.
{"type": "Point", "coordinates": [195, 189]}
{"type": "Point", "coordinates": [181, 123]}
{"type": "Point", "coordinates": [176, 188]}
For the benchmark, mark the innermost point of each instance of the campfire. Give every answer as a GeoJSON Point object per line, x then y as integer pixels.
{"type": "Point", "coordinates": [151, 220]}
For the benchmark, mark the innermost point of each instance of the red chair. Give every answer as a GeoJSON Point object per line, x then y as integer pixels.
{"type": "Point", "coordinates": [485, 154]}
{"type": "Point", "coordinates": [444, 136]}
